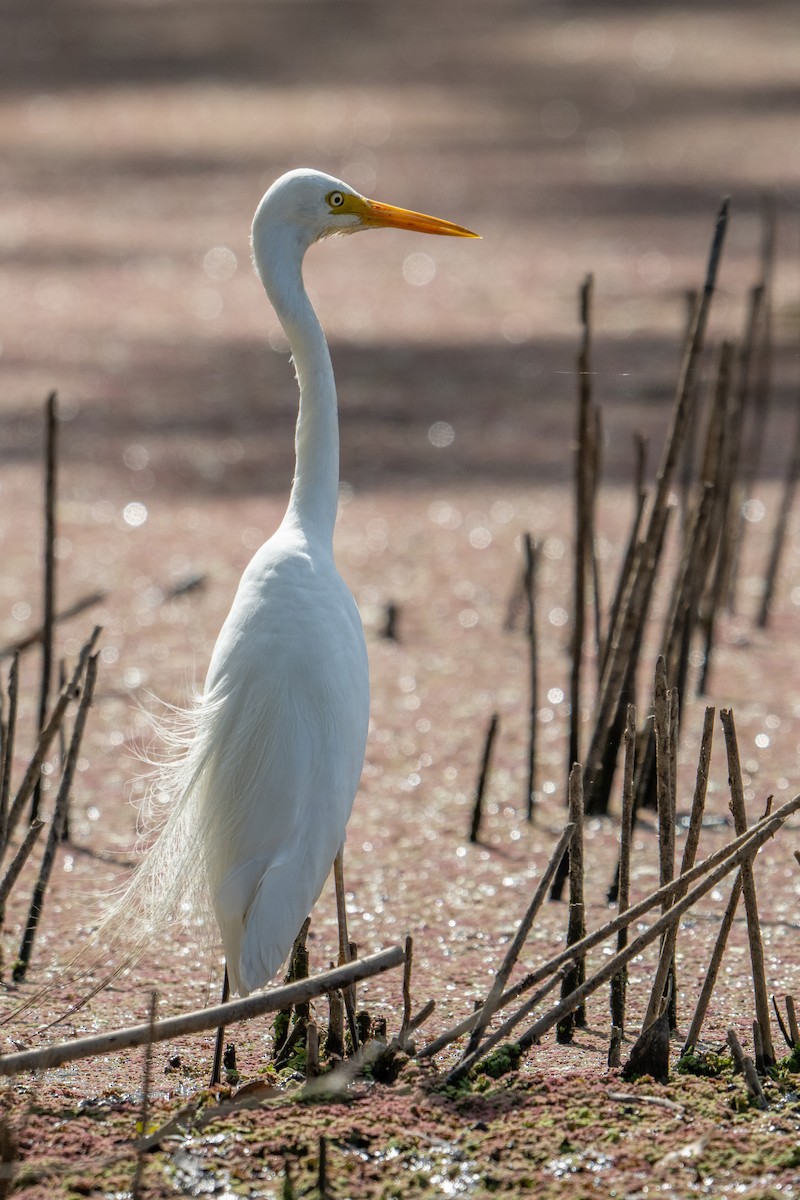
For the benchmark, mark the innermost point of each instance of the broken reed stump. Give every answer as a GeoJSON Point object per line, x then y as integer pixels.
{"type": "Point", "coordinates": [483, 775]}
{"type": "Point", "coordinates": [738, 810]}
{"type": "Point", "coordinates": [743, 398]}
{"type": "Point", "coordinates": [745, 1065]}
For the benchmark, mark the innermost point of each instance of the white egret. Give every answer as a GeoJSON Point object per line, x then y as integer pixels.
{"type": "Point", "coordinates": [261, 792]}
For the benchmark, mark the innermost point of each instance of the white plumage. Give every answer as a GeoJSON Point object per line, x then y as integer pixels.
{"type": "Point", "coordinates": [260, 795]}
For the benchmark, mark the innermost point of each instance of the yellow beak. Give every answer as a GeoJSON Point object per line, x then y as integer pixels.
{"type": "Point", "coordinates": [377, 215]}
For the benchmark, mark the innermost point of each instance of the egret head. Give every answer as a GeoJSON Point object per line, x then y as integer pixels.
{"type": "Point", "coordinates": [307, 205]}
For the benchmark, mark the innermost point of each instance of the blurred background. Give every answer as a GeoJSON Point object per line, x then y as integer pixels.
{"type": "Point", "coordinates": [137, 137]}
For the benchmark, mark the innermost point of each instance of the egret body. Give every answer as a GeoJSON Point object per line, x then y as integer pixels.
{"type": "Point", "coordinates": [260, 795]}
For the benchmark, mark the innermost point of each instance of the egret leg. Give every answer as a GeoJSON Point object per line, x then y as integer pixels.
{"type": "Point", "coordinates": [219, 1045]}
{"type": "Point", "coordinates": [344, 943]}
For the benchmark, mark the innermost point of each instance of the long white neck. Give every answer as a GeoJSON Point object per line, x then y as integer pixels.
{"type": "Point", "coordinates": [315, 490]}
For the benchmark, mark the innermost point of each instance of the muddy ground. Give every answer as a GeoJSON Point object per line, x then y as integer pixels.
{"type": "Point", "coordinates": [136, 140]}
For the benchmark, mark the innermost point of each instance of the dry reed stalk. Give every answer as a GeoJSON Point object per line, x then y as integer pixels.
{"type": "Point", "coordinates": [636, 602]}
{"type": "Point", "coordinates": [323, 1192]}
{"type": "Point", "coordinates": [9, 738]}
{"type": "Point", "coordinates": [490, 1005]}
{"type": "Point", "coordinates": [18, 862]}
{"type": "Point", "coordinates": [758, 1049]}
{"type": "Point", "coordinates": [531, 563]}
{"type": "Point", "coordinates": [597, 442]}
{"type": "Point", "coordinates": [203, 1019]}
{"type": "Point", "coordinates": [687, 463]}
{"type": "Point", "coordinates": [623, 578]}
{"type": "Point", "coordinates": [781, 1024]}
{"type": "Point", "coordinates": [737, 807]}
{"type": "Point", "coordinates": [710, 977]}
{"type": "Point", "coordinates": [144, 1112]}
{"type": "Point", "coordinates": [576, 924]}
{"type": "Point", "coordinates": [677, 632]}
{"type": "Point", "coordinates": [791, 1014]}
{"type": "Point", "coordinates": [742, 397]}
{"type": "Point", "coordinates": [407, 964]}
{"type": "Point", "coordinates": [584, 535]}
{"type": "Point", "coordinates": [719, 466]}
{"type": "Point", "coordinates": [312, 1050]}
{"type": "Point", "coordinates": [49, 580]}
{"type": "Point", "coordinates": [334, 1042]}
{"type": "Point", "coordinates": [666, 959]}
{"type": "Point", "coordinates": [480, 787]}
{"type": "Point", "coordinates": [219, 1041]}
{"type": "Point", "coordinates": [57, 824]}
{"type": "Point", "coordinates": [779, 532]}
{"type": "Point", "coordinates": [762, 391]}
{"type": "Point", "coordinates": [619, 982]}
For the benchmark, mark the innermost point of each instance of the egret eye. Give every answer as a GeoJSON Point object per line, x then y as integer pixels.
{"type": "Point", "coordinates": [336, 199]}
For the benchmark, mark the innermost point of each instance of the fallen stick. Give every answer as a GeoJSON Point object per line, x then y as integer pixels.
{"type": "Point", "coordinates": [202, 1019]}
